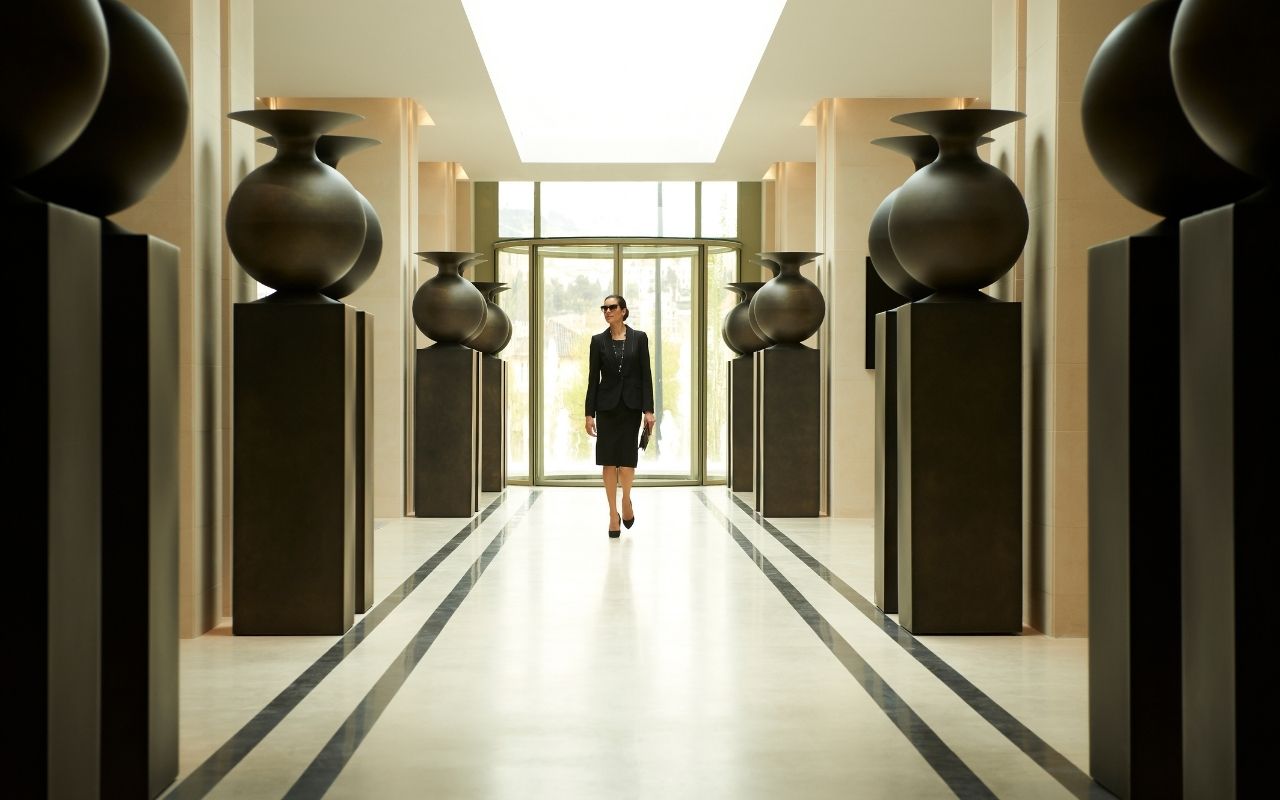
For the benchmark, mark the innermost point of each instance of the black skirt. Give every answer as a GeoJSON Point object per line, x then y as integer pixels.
{"type": "Point", "coordinates": [617, 437]}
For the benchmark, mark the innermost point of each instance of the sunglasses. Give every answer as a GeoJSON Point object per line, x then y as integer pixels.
{"type": "Point", "coordinates": [610, 307]}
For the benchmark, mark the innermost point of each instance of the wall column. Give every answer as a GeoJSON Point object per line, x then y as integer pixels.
{"type": "Point", "coordinates": [214, 44]}
{"type": "Point", "coordinates": [852, 178]}
{"type": "Point", "coordinates": [446, 211]}
{"type": "Point", "coordinates": [464, 214]}
{"type": "Point", "coordinates": [388, 176]}
{"type": "Point", "coordinates": [788, 221]}
{"type": "Point", "coordinates": [1041, 51]}
{"type": "Point", "coordinates": [238, 160]}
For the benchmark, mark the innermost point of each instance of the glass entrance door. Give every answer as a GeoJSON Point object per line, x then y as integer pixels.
{"type": "Point", "coordinates": [573, 279]}
{"type": "Point", "coordinates": [674, 292]}
{"type": "Point", "coordinates": [659, 282]}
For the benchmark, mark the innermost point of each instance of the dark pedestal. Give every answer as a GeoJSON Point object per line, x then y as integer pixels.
{"type": "Point", "coordinates": [493, 416]}
{"type": "Point", "coordinates": [1228, 528]}
{"type": "Point", "coordinates": [787, 467]}
{"type": "Point", "coordinates": [294, 430]}
{"type": "Point", "coordinates": [364, 462]}
{"type": "Point", "coordinates": [879, 298]}
{"type": "Point", "coordinates": [741, 466]}
{"type": "Point", "coordinates": [886, 480]}
{"type": "Point", "coordinates": [140, 379]}
{"type": "Point", "coordinates": [960, 467]}
{"type": "Point", "coordinates": [447, 410]}
{"type": "Point", "coordinates": [55, 253]}
{"type": "Point", "coordinates": [1135, 629]}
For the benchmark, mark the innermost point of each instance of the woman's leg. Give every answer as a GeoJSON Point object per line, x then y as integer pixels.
{"type": "Point", "coordinates": [626, 475]}
{"type": "Point", "coordinates": [610, 475]}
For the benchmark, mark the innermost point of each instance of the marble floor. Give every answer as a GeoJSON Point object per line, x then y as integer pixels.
{"type": "Point", "coordinates": [707, 653]}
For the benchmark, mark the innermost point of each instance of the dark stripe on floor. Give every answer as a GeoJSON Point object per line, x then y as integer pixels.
{"type": "Point", "coordinates": [205, 777]}
{"type": "Point", "coordinates": [944, 761]}
{"type": "Point", "coordinates": [1071, 777]}
{"type": "Point", "coordinates": [329, 763]}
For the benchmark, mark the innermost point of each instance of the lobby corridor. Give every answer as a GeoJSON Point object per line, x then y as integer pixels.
{"type": "Point", "coordinates": [705, 654]}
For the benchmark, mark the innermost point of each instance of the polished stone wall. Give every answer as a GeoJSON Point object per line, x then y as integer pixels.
{"type": "Point", "coordinates": [1041, 50]}
{"type": "Point", "coordinates": [214, 44]}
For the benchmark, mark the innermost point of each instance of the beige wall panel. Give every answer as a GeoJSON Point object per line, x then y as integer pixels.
{"type": "Point", "coordinates": [1071, 609]}
{"type": "Point", "coordinates": [768, 218]}
{"type": "Point", "coordinates": [464, 217]}
{"type": "Point", "coordinates": [796, 221]}
{"type": "Point", "coordinates": [437, 205]}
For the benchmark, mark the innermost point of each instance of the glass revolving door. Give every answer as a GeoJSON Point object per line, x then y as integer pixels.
{"type": "Point", "coordinates": [674, 290]}
{"type": "Point", "coordinates": [572, 281]}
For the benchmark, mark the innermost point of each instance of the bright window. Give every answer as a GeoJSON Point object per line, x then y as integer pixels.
{"type": "Point", "coordinates": [719, 209]}
{"type": "Point", "coordinates": [617, 208]}
{"type": "Point", "coordinates": [515, 210]}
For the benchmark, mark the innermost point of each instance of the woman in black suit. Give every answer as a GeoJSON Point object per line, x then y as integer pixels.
{"type": "Point", "coordinates": [619, 391]}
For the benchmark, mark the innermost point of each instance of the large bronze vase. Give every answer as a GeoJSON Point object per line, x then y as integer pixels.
{"type": "Point", "coordinates": [495, 333]}
{"type": "Point", "coordinates": [295, 223]}
{"type": "Point", "coordinates": [922, 150]}
{"type": "Point", "coordinates": [331, 149]}
{"type": "Point", "coordinates": [1129, 93]}
{"type": "Point", "coordinates": [53, 103]}
{"type": "Point", "coordinates": [448, 308]}
{"type": "Point", "coordinates": [137, 127]}
{"type": "Point", "coordinates": [958, 224]}
{"type": "Point", "coordinates": [736, 329]}
{"type": "Point", "coordinates": [789, 308]}
{"type": "Point", "coordinates": [1224, 64]}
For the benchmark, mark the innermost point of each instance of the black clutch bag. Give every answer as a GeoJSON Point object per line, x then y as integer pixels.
{"type": "Point", "coordinates": [644, 437]}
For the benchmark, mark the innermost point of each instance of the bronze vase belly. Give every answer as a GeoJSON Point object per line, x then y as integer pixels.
{"type": "Point", "coordinates": [495, 333]}
{"type": "Point", "coordinates": [295, 223]}
{"type": "Point", "coordinates": [137, 127]}
{"type": "Point", "coordinates": [53, 104]}
{"type": "Point", "coordinates": [958, 224]}
{"type": "Point", "coordinates": [1129, 94]}
{"type": "Point", "coordinates": [448, 308]}
{"type": "Point", "coordinates": [789, 308]}
{"type": "Point", "coordinates": [736, 329]}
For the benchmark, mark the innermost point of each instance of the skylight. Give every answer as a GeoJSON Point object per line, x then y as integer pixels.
{"type": "Point", "coordinates": [621, 81]}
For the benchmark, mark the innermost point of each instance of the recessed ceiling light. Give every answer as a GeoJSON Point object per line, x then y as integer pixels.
{"type": "Point", "coordinates": [605, 81]}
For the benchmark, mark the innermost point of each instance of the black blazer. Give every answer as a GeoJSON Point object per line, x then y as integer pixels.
{"type": "Point", "coordinates": [606, 389]}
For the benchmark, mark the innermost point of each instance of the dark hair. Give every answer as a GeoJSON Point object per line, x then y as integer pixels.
{"type": "Point", "coordinates": [622, 301]}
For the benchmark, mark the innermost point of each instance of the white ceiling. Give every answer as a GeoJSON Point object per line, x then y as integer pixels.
{"type": "Point", "coordinates": [424, 49]}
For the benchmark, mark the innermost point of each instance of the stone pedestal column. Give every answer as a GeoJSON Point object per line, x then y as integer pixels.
{"type": "Point", "coordinates": [294, 469]}
{"type": "Point", "coordinates": [58, 437]}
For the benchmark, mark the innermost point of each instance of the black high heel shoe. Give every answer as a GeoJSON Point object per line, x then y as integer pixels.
{"type": "Point", "coordinates": [632, 521]}
{"type": "Point", "coordinates": [614, 534]}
